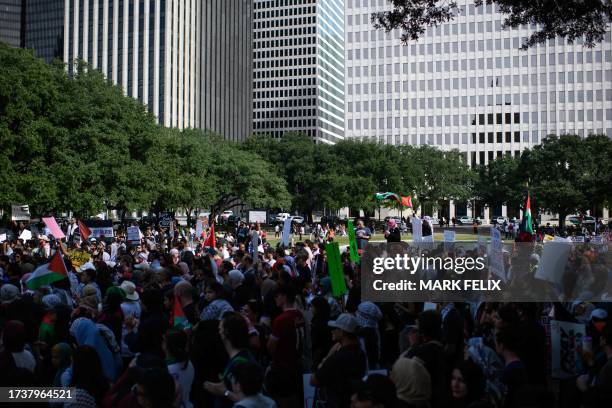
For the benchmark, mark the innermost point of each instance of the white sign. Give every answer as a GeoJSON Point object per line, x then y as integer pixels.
{"type": "Point", "coordinates": [133, 234]}
{"type": "Point", "coordinates": [20, 212]}
{"type": "Point", "coordinates": [2, 237]}
{"type": "Point", "coordinates": [417, 229]}
{"type": "Point", "coordinates": [579, 238]}
{"type": "Point", "coordinates": [286, 232]}
{"type": "Point", "coordinates": [497, 256]}
{"type": "Point", "coordinates": [97, 232]}
{"type": "Point", "coordinates": [258, 216]}
{"type": "Point", "coordinates": [565, 339]}
{"type": "Point", "coordinates": [553, 260]}
{"type": "Point", "coordinates": [25, 235]}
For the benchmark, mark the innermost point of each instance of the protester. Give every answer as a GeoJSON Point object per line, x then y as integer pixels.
{"type": "Point", "coordinates": [156, 323]}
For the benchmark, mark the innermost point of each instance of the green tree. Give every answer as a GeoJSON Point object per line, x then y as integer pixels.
{"type": "Point", "coordinates": [501, 183]}
{"type": "Point", "coordinates": [570, 19]}
{"type": "Point", "coordinates": [554, 169]}
{"type": "Point", "coordinates": [595, 182]}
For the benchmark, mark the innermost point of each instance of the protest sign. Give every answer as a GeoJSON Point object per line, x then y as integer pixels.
{"type": "Point", "coordinates": [553, 260]}
{"type": "Point", "coordinates": [2, 237]}
{"type": "Point", "coordinates": [353, 251]}
{"type": "Point", "coordinates": [566, 338]}
{"type": "Point", "coordinates": [78, 258]}
{"type": "Point", "coordinates": [133, 234]}
{"type": "Point", "coordinates": [286, 232]}
{"type": "Point", "coordinates": [165, 218]}
{"type": "Point", "coordinates": [335, 269]}
{"type": "Point", "coordinates": [54, 229]}
{"type": "Point", "coordinates": [20, 212]}
{"type": "Point", "coordinates": [578, 238]}
{"type": "Point", "coordinates": [417, 229]}
{"type": "Point", "coordinates": [199, 229]}
{"type": "Point", "coordinates": [99, 228]}
{"type": "Point", "coordinates": [260, 216]}
{"type": "Point", "coordinates": [25, 235]}
{"type": "Point", "coordinates": [497, 257]}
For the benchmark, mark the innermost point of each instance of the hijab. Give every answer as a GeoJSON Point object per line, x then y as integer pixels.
{"type": "Point", "coordinates": [87, 333]}
{"type": "Point", "coordinates": [411, 380]}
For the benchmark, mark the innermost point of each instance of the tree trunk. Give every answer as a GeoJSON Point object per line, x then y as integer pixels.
{"type": "Point", "coordinates": [561, 220]}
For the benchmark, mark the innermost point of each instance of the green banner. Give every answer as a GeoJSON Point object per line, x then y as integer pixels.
{"type": "Point", "coordinates": [354, 254]}
{"type": "Point", "coordinates": [335, 269]}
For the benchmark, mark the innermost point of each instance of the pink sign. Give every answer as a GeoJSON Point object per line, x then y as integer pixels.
{"type": "Point", "coordinates": [53, 227]}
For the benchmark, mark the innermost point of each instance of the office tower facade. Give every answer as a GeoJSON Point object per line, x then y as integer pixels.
{"type": "Point", "coordinates": [188, 61]}
{"type": "Point", "coordinates": [466, 85]}
{"type": "Point", "coordinates": [12, 14]}
{"type": "Point", "coordinates": [298, 78]}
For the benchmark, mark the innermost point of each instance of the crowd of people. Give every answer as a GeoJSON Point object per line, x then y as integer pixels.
{"type": "Point", "coordinates": [167, 321]}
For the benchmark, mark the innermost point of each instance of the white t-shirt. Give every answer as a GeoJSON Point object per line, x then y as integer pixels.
{"type": "Point", "coordinates": [184, 378]}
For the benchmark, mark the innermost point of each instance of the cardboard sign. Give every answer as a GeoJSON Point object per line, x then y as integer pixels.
{"type": "Point", "coordinates": [54, 229]}
{"type": "Point", "coordinates": [553, 260]}
{"type": "Point", "coordinates": [258, 216]}
{"type": "Point", "coordinates": [133, 234]}
{"type": "Point", "coordinates": [100, 228]}
{"type": "Point", "coordinates": [78, 258]}
{"type": "Point", "coordinates": [566, 338]}
{"type": "Point", "coordinates": [25, 235]}
{"type": "Point", "coordinates": [20, 212]}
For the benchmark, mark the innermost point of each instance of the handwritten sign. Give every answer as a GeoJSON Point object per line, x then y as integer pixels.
{"type": "Point", "coordinates": [566, 338]}
{"type": "Point", "coordinates": [54, 228]}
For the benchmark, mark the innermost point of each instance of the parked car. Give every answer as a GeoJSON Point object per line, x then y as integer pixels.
{"type": "Point", "coordinates": [499, 220]}
{"type": "Point", "coordinates": [297, 219]}
{"type": "Point", "coordinates": [281, 217]}
{"type": "Point", "coordinates": [577, 220]}
{"type": "Point", "coordinates": [465, 220]}
{"type": "Point", "coordinates": [226, 214]}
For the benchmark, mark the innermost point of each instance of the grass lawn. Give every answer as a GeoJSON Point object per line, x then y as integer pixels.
{"type": "Point", "coordinates": [406, 237]}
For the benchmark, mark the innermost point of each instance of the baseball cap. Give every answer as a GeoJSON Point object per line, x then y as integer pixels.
{"type": "Point", "coordinates": [345, 322]}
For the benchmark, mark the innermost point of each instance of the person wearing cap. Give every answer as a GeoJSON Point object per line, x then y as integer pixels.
{"type": "Point", "coordinates": [345, 364]}
{"type": "Point", "coordinates": [131, 315]}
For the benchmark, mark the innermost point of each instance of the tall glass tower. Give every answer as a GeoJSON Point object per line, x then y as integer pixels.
{"type": "Point", "coordinates": [298, 57]}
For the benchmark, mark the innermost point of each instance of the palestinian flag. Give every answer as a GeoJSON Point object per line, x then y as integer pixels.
{"type": "Point", "coordinates": [526, 233]}
{"type": "Point", "coordinates": [211, 240]}
{"type": "Point", "coordinates": [179, 320]}
{"type": "Point", "coordinates": [48, 273]}
{"type": "Point", "coordinates": [84, 230]}
{"type": "Point", "coordinates": [403, 201]}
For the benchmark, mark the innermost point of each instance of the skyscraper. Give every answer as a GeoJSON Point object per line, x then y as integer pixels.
{"type": "Point", "coordinates": [466, 85]}
{"type": "Point", "coordinates": [12, 14]}
{"type": "Point", "coordinates": [189, 61]}
{"type": "Point", "coordinates": [298, 79]}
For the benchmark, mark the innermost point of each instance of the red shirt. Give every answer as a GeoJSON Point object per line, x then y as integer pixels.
{"type": "Point", "coordinates": [288, 329]}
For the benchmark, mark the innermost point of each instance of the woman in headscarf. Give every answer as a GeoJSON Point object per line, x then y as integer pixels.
{"type": "Point", "coordinates": [368, 315]}
{"type": "Point", "coordinates": [61, 357]}
{"type": "Point", "coordinates": [326, 292]}
{"type": "Point", "coordinates": [86, 333]}
{"type": "Point", "coordinates": [112, 314]}
{"type": "Point", "coordinates": [392, 233]}
{"type": "Point", "coordinates": [412, 382]}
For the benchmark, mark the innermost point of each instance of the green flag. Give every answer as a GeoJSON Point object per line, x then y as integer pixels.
{"type": "Point", "coordinates": [354, 254]}
{"type": "Point", "coordinates": [334, 267]}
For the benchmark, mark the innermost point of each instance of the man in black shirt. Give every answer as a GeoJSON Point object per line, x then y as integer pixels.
{"type": "Point", "coordinates": [344, 366]}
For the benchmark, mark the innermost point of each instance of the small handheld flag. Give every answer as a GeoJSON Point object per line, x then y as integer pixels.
{"type": "Point", "coordinates": [211, 240]}
{"type": "Point", "coordinates": [83, 230]}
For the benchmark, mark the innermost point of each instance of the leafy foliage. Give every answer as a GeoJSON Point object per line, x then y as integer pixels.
{"type": "Point", "coordinates": [570, 19]}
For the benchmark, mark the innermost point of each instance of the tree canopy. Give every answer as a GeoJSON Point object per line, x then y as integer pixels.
{"type": "Point", "coordinates": [570, 19]}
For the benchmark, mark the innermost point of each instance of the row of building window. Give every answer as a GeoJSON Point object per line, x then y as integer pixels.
{"type": "Point", "coordinates": [545, 117]}
{"type": "Point", "coordinates": [283, 12]}
{"type": "Point", "coordinates": [283, 93]}
{"type": "Point", "coordinates": [286, 32]}
{"type": "Point", "coordinates": [284, 103]}
{"type": "Point", "coordinates": [465, 101]}
{"type": "Point", "coordinates": [260, 5]}
{"type": "Point", "coordinates": [296, 73]}
{"type": "Point", "coordinates": [298, 114]}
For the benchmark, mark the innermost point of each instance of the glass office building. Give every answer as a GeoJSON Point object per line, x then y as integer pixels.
{"type": "Point", "coordinates": [11, 22]}
{"type": "Point", "coordinates": [298, 78]}
{"type": "Point", "coordinates": [466, 85]}
{"type": "Point", "coordinates": [188, 61]}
